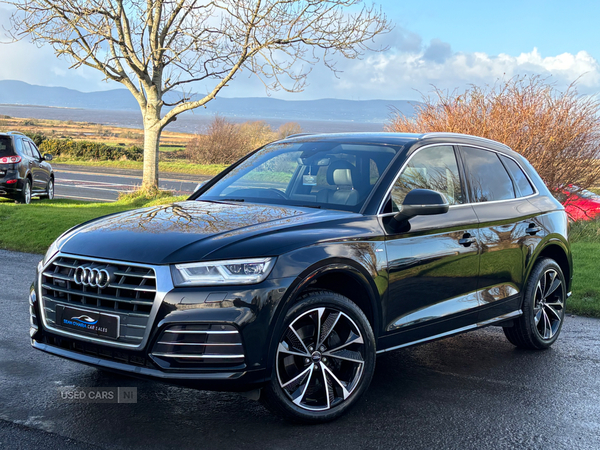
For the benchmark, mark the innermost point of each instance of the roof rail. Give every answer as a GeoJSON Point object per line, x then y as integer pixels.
{"type": "Point", "coordinates": [16, 132]}
{"type": "Point", "coordinates": [298, 135]}
{"type": "Point", "coordinates": [470, 136]}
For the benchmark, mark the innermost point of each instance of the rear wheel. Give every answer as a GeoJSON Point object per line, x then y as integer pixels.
{"type": "Point", "coordinates": [324, 360]}
{"type": "Point", "coordinates": [543, 308]}
{"type": "Point", "coordinates": [25, 196]}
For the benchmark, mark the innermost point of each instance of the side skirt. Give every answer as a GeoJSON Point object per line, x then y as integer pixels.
{"type": "Point", "coordinates": [485, 323]}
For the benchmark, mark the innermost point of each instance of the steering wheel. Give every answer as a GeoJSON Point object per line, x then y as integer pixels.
{"type": "Point", "coordinates": [278, 192]}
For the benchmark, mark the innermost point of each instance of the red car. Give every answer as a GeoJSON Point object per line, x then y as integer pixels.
{"type": "Point", "coordinates": [580, 204]}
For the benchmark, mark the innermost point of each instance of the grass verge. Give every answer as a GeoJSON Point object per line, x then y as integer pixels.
{"type": "Point", "coordinates": [32, 228]}
{"type": "Point", "coordinates": [585, 300]}
{"type": "Point", "coordinates": [164, 166]}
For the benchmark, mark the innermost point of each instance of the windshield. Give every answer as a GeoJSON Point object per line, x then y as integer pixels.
{"type": "Point", "coordinates": [323, 174]}
{"type": "Point", "coordinates": [6, 148]}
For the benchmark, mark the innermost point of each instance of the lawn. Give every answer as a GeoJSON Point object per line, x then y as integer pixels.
{"type": "Point", "coordinates": [586, 281]}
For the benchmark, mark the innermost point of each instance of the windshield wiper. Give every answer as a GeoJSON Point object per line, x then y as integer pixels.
{"type": "Point", "coordinates": [232, 200]}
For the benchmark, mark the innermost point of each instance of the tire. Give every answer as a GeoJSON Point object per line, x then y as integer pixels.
{"type": "Point", "coordinates": [543, 308]}
{"type": "Point", "coordinates": [316, 379]}
{"type": "Point", "coordinates": [25, 196]}
{"type": "Point", "coordinates": [49, 194]}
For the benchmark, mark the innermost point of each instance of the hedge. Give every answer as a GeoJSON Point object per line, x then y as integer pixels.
{"type": "Point", "coordinates": [90, 150]}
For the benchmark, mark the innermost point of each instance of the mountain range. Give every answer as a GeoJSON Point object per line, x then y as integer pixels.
{"type": "Point", "coordinates": [364, 111]}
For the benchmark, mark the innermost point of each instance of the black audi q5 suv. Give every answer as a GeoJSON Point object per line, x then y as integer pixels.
{"type": "Point", "coordinates": [286, 274]}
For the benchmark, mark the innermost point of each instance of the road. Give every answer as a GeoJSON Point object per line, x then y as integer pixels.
{"type": "Point", "coordinates": [473, 391]}
{"type": "Point", "coordinates": [105, 184]}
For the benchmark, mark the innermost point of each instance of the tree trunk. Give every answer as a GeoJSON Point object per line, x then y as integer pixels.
{"type": "Point", "coordinates": [152, 131]}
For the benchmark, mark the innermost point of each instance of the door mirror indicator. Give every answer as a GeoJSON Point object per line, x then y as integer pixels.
{"type": "Point", "coordinates": [419, 202]}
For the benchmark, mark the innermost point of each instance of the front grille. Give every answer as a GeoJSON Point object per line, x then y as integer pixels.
{"type": "Point", "coordinates": [130, 294]}
{"type": "Point", "coordinates": [200, 346]}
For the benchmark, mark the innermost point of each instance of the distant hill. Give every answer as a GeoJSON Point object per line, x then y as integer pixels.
{"type": "Point", "coordinates": [364, 111]}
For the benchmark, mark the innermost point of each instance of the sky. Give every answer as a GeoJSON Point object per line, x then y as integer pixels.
{"type": "Point", "coordinates": [446, 44]}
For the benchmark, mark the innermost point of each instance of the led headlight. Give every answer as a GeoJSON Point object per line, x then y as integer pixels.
{"type": "Point", "coordinates": [241, 271]}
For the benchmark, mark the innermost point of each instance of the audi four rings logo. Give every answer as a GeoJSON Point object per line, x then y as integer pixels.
{"type": "Point", "coordinates": [92, 277]}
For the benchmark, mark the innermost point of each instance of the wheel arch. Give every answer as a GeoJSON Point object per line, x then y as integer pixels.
{"type": "Point", "coordinates": [558, 251]}
{"type": "Point", "coordinates": [339, 275]}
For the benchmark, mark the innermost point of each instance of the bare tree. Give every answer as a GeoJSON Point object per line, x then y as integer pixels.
{"type": "Point", "coordinates": [157, 46]}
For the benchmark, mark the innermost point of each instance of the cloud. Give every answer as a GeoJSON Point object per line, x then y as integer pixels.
{"type": "Point", "coordinates": [397, 74]}
{"type": "Point", "coordinates": [438, 51]}
{"type": "Point", "coordinates": [405, 69]}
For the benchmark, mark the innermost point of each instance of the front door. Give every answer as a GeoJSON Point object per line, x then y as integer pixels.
{"type": "Point", "coordinates": [433, 268]}
{"type": "Point", "coordinates": [41, 174]}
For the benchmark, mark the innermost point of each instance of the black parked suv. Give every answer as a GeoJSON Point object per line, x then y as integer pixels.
{"type": "Point", "coordinates": [24, 173]}
{"type": "Point", "coordinates": [292, 269]}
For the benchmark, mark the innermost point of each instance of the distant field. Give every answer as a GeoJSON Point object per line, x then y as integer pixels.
{"type": "Point", "coordinates": [88, 131]}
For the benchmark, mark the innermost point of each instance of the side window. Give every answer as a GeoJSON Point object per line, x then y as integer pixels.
{"type": "Point", "coordinates": [431, 168]}
{"type": "Point", "coordinates": [487, 176]}
{"type": "Point", "coordinates": [34, 151]}
{"type": "Point", "coordinates": [26, 149]}
{"type": "Point", "coordinates": [373, 172]}
{"type": "Point", "coordinates": [520, 178]}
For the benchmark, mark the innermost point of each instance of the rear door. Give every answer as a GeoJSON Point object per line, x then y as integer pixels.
{"type": "Point", "coordinates": [508, 227]}
{"type": "Point", "coordinates": [433, 268]}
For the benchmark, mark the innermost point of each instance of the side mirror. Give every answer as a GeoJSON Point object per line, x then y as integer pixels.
{"type": "Point", "coordinates": [47, 157]}
{"type": "Point", "coordinates": [420, 202]}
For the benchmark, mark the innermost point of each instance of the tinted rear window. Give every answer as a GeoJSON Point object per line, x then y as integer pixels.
{"type": "Point", "coordinates": [520, 178]}
{"type": "Point", "coordinates": [6, 148]}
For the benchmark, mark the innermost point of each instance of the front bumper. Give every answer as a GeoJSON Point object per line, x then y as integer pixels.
{"type": "Point", "coordinates": [225, 322]}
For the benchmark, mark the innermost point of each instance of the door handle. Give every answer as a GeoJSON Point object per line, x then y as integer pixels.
{"type": "Point", "coordinates": [532, 230]}
{"type": "Point", "coordinates": [467, 240]}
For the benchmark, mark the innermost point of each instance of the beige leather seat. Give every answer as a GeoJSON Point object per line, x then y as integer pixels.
{"type": "Point", "coordinates": [341, 174]}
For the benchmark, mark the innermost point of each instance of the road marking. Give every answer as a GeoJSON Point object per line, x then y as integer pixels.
{"type": "Point", "coordinates": [91, 183]}
{"type": "Point", "coordinates": [129, 176]}
{"type": "Point", "coordinates": [94, 188]}
{"type": "Point", "coordinates": [84, 198]}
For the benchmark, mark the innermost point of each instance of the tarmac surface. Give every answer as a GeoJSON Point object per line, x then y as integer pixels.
{"type": "Point", "coordinates": [472, 391]}
{"type": "Point", "coordinates": [105, 184]}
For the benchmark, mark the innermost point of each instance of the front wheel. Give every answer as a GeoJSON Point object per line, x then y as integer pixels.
{"type": "Point", "coordinates": [543, 308]}
{"type": "Point", "coordinates": [324, 360]}
{"type": "Point", "coordinates": [49, 194]}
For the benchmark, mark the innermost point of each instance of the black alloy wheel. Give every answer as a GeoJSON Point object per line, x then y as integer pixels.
{"type": "Point", "coordinates": [324, 360]}
{"type": "Point", "coordinates": [543, 308]}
